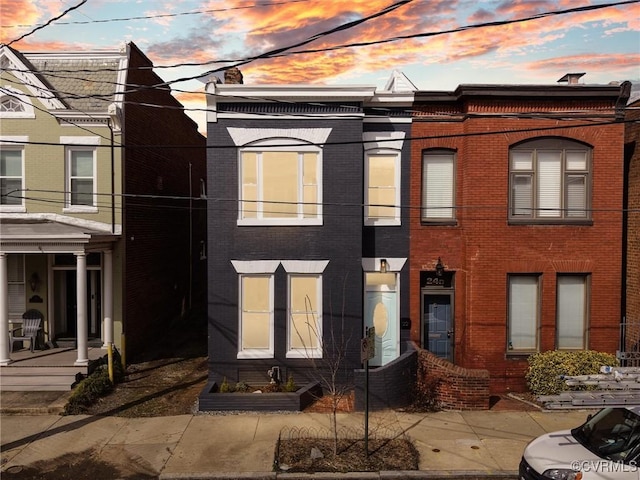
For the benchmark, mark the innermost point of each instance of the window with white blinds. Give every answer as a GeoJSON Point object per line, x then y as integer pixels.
{"type": "Point", "coordinates": [438, 186]}
{"type": "Point", "coordinates": [524, 310]}
{"type": "Point", "coordinates": [15, 274]}
{"type": "Point", "coordinates": [549, 180]}
{"type": "Point", "coordinates": [571, 312]}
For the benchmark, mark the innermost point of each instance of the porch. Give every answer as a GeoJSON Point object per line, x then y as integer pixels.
{"type": "Point", "coordinates": [46, 370]}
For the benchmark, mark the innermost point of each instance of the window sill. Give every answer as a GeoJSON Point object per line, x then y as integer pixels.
{"type": "Point", "coordinates": [555, 221]}
{"type": "Point", "coordinates": [439, 223]}
{"type": "Point", "coordinates": [80, 210]}
{"type": "Point", "coordinates": [520, 355]}
{"type": "Point", "coordinates": [383, 223]}
{"type": "Point", "coordinates": [280, 222]}
{"type": "Point", "coordinates": [13, 209]}
{"type": "Point", "coordinates": [304, 354]}
{"type": "Point", "coordinates": [248, 355]}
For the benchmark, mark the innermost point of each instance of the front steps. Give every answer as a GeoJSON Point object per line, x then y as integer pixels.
{"type": "Point", "coordinates": [32, 378]}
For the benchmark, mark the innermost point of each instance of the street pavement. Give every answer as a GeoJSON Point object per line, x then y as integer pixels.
{"type": "Point", "coordinates": [452, 444]}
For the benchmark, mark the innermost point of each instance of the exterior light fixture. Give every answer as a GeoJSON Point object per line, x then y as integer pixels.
{"type": "Point", "coordinates": [383, 265]}
{"type": "Point", "coordinates": [34, 281]}
{"type": "Point", "coordinates": [439, 268]}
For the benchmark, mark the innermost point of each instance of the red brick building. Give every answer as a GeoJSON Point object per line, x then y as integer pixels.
{"type": "Point", "coordinates": [517, 245]}
{"type": "Point", "coordinates": [632, 224]}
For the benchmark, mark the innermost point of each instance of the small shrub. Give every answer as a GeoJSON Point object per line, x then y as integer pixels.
{"type": "Point", "coordinates": [224, 386]}
{"type": "Point", "coordinates": [242, 387]}
{"type": "Point", "coordinates": [290, 386]}
{"type": "Point", "coordinates": [544, 375]}
{"type": "Point", "coordinates": [88, 391]}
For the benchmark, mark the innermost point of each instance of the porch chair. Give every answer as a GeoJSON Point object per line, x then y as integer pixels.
{"type": "Point", "coordinates": [31, 320]}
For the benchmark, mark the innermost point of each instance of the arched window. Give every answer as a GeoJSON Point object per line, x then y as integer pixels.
{"type": "Point", "coordinates": [15, 104]}
{"type": "Point", "coordinates": [550, 180]}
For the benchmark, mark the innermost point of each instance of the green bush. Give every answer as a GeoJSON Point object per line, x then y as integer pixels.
{"type": "Point", "coordinates": [546, 369]}
{"type": "Point", "coordinates": [290, 386]}
{"type": "Point", "coordinates": [225, 387]}
{"type": "Point", "coordinates": [96, 385]}
{"type": "Point", "coordinates": [88, 391]}
{"type": "Point", "coordinates": [242, 387]}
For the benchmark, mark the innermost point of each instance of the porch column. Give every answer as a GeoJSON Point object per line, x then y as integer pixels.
{"type": "Point", "coordinates": [81, 314]}
{"type": "Point", "coordinates": [108, 298]}
{"type": "Point", "coordinates": [4, 311]}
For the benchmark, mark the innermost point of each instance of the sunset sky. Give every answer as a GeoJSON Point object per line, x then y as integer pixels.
{"type": "Point", "coordinates": [604, 43]}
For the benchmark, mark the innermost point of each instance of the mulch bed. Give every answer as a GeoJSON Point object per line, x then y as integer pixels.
{"type": "Point", "coordinates": [296, 455]}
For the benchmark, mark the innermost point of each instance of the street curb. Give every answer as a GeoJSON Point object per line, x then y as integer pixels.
{"type": "Point", "coordinates": [383, 475]}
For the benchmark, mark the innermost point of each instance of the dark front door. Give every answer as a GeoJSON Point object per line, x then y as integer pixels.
{"type": "Point", "coordinates": [437, 325]}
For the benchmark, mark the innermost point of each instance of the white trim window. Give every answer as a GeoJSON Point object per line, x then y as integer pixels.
{"type": "Point", "coordinates": [382, 192]}
{"type": "Point", "coordinates": [280, 185]}
{"type": "Point", "coordinates": [81, 178]}
{"type": "Point", "coordinates": [304, 314]}
{"type": "Point", "coordinates": [12, 179]}
{"type": "Point", "coordinates": [524, 312]}
{"type": "Point", "coordinates": [572, 313]}
{"type": "Point", "coordinates": [438, 186]}
{"type": "Point", "coordinates": [550, 181]}
{"type": "Point", "coordinates": [256, 328]}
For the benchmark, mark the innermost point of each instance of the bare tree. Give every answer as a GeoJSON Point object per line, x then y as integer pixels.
{"type": "Point", "coordinates": [331, 369]}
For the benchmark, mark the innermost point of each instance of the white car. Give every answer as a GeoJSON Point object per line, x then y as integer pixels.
{"type": "Point", "coordinates": [605, 447]}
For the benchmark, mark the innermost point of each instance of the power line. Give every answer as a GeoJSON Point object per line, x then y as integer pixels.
{"type": "Point", "coordinates": [70, 9]}
{"type": "Point", "coordinates": [235, 201]}
{"type": "Point", "coordinates": [169, 15]}
{"type": "Point", "coordinates": [360, 142]}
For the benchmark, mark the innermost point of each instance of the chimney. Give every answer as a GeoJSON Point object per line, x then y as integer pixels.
{"type": "Point", "coordinates": [571, 78]}
{"type": "Point", "coordinates": [233, 75]}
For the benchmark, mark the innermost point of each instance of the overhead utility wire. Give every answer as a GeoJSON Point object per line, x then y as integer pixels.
{"type": "Point", "coordinates": [234, 204]}
{"type": "Point", "coordinates": [82, 2]}
{"type": "Point", "coordinates": [168, 15]}
{"type": "Point", "coordinates": [358, 142]}
{"type": "Point", "coordinates": [453, 30]}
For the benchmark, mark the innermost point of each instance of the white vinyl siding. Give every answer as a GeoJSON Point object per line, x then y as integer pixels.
{"type": "Point", "coordinates": [549, 181]}
{"type": "Point", "coordinates": [523, 313]}
{"type": "Point", "coordinates": [572, 312]}
{"type": "Point", "coordinates": [438, 186]}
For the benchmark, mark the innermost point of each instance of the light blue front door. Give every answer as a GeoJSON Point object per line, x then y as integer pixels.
{"type": "Point", "coordinates": [381, 312]}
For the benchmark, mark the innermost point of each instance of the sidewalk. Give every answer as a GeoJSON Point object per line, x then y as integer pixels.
{"type": "Point", "coordinates": [451, 444]}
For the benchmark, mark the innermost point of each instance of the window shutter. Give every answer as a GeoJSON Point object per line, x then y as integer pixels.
{"type": "Point", "coordinates": [15, 274]}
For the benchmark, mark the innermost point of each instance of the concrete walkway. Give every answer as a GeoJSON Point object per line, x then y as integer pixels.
{"type": "Point", "coordinates": [451, 444]}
